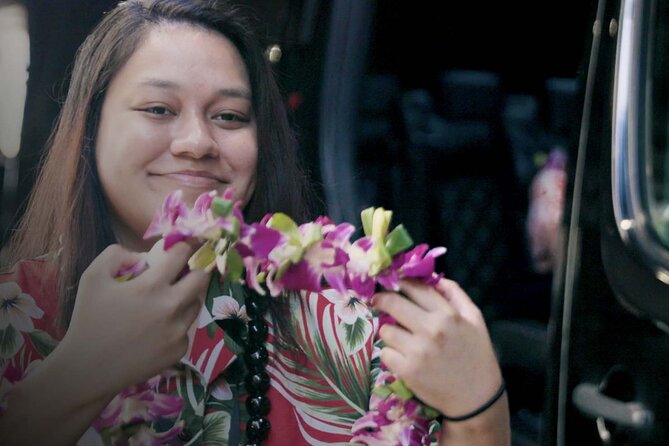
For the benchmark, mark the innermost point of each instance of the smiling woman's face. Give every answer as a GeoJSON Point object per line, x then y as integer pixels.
{"type": "Point", "coordinates": [178, 115]}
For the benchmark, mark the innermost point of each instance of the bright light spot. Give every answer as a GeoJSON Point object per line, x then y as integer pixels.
{"type": "Point", "coordinates": [626, 224]}
{"type": "Point", "coordinates": [14, 60]}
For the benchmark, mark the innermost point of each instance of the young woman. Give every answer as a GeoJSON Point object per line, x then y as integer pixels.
{"type": "Point", "coordinates": [176, 94]}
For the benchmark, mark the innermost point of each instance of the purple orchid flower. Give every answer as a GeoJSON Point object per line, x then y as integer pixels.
{"type": "Point", "coordinates": [416, 264]}
{"type": "Point", "coordinates": [393, 422]}
{"type": "Point", "coordinates": [164, 221]}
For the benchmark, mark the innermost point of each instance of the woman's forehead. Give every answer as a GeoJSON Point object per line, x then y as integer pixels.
{"type": "Point", "coordinates": [176, 55]}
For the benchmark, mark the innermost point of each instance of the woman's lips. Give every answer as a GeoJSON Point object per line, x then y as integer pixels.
{"type": "Point", "coordinates": [193, 179]}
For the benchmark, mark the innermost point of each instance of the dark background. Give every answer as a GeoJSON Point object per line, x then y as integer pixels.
{"type": "Point", "coordinates": [524, 41]}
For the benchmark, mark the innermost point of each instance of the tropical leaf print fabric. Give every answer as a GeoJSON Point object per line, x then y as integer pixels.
{"type": "Point", "coordinates": [316, 393]}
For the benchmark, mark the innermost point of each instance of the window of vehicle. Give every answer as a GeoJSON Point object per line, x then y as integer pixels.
{"type": "Point", "coordinates": [641, 133]}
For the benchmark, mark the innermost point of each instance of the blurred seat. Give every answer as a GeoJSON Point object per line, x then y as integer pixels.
{"type": "Point", "coordinates": [470, 95]}
{"type": "Point", "coordinates": [378, 139]}
{"type": "Point", "coordinates": [461, 184]}
{"type": "Point", "coordinates": [525, 134]}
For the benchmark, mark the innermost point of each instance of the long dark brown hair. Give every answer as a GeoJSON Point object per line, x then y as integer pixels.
{"type": "Point", "coordinates": [67, 213]}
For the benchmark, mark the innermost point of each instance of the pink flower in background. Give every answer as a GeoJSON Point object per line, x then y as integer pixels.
{"type": "Point", "coordinates": [547, 196]}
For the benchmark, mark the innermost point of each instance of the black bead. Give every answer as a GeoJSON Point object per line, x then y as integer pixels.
{"type": "Point", "coordinates": [257, 358]}
{"type": "Point", "coordinates": [257, 428]}
{"type": "Point", "coordinates": [256, 306]}
{"type": "Point", "coordinates": [257, 331]}
{"type": "Point", "coordinates": [258, 383]}
{"type": "Point", "coordinates": [258, 406]}
{"type": "Point", "coordinates": [233, 326]}
{"type": "Point", "coordinates": [257, 380]}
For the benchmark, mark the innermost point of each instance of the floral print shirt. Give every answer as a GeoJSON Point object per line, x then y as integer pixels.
{"type": "Point", "coordinates": [316, 394]}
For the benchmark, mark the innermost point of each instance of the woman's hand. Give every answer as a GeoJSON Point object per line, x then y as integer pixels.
{"type": "Point", "coordinates": [441, 349]}
{"type": "Point", "coordinates": [133, 330]}
{"type": "Point", "coordinates": [121, 334]}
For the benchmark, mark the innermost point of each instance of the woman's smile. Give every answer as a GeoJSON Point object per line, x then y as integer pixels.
{"type": "Point", "coordinates": [195, 179]}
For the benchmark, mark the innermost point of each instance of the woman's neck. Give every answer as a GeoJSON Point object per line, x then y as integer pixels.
{"type": "Point", "coordinates": [129, 239]}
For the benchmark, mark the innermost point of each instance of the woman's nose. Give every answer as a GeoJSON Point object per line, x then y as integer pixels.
{"type": "Point", "coordinates": [194, 138]}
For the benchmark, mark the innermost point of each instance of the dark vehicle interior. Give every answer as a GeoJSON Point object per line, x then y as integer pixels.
{"type": "Point", "coordinates": [447, 114]}
{"type": "Point", "coordinates": [608, 353]}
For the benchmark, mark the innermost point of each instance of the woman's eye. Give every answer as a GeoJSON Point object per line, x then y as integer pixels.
{"type": "Point", "coordinates": [157, 110]}
{"type": "Point", "coordinates": [231, 117]}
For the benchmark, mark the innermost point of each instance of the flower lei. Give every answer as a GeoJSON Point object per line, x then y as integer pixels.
{"type": "Point", "coordinates": [278, 255]}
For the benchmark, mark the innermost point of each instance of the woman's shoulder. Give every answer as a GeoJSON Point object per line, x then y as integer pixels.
{"type": "Point", "coordinates": [28, 320]}
{"type": "Point", "coordinates": [44, 263]}
{"type": "Point", "coordinates": [28, 295]}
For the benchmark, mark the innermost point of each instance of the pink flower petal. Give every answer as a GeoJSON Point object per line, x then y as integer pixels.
{"type": "Point", "coordinates": [131, 271]}
{"type": "Point", "coordinates": [302, 276]}
{"type": "Point", "coordinates": [264, 240]}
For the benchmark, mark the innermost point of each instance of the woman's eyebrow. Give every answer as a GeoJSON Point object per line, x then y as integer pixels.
{"type": "Point", "coordinates": [242, 93]}
{"type": "Point", "coordinates": [160, 83]}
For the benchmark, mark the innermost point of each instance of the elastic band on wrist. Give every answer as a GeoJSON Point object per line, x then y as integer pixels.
{"type": "Point", "coordinates": [480, 410]}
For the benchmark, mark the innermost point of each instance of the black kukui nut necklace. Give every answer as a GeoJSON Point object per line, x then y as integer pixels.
{"type": "Point", "coordinates": [257, 380]}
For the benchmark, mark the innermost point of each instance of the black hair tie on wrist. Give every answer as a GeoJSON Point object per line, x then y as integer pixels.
{"type": "Point", "coordinates": [480, 410]}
